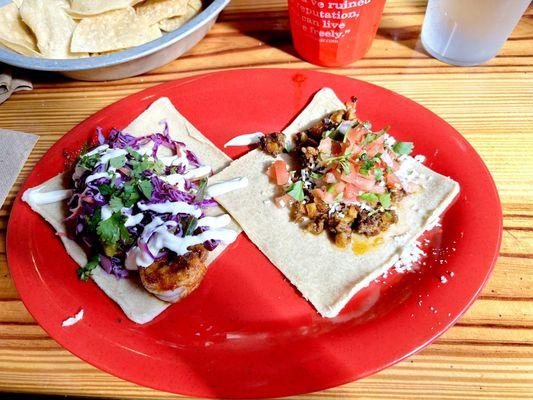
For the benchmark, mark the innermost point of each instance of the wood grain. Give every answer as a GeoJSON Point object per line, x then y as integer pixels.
{"type": "Point", "coordinates": [488, 354]}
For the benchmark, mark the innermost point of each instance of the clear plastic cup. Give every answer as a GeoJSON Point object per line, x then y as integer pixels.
{"type": "Point", "coordinates": [469, 32]}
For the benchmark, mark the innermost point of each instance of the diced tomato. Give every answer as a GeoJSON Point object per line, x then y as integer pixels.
{"type": "Point", "coordinates": [363, 183]}
{"type": "Point", "coordinates": [375, 147]}
{"type": "Point", "coordinates": [339, 188]}
{"type": "Point", "coordinates": [278, 172]}
{"type": "Point", "coordinates": [355, 135]}
{"type": "Point", "coordinates": [350, 193]}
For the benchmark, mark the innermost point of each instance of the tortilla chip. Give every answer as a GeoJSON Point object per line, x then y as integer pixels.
{"type": "Point", "coordinates": [18, 3]}
{"type": "Point", "coordinates": [14, 33]}
{"type": "Point", "coordinates": [81, 8]}
{"type": "Point", "coordinates": [326, 276]}
{"type": "Point", "coordinates": [51, 25]}
{"type": "Point", "coordinates": [137, 304]}
{"type": "Point", "coordinates": [170, 24]}
{"type": "Point", "coordinates": [153, 11]}
{"type": "Point", "coordinates": [113, 30]}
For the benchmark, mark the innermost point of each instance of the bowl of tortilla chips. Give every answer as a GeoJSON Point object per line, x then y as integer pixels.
{"type": "Point", "coordinates": [96, 40]}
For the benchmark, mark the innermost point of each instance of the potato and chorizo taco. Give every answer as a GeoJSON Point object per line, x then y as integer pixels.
{"type": "Point", "coordinates": [332, 203]}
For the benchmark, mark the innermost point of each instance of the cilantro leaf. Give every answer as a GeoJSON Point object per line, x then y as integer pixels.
{"type": "Point", "coordinates": [296, 190]}
{"type": "Point", "coordinates": [146, 188]}
{"type": "Point", "coordinates": [384, 199]}
{"type": "Point", "coordinates": [159, 168]}
{"type": "Point", "coordinates": [116, 203]}
{"type": "Point", "coordinates": [85, 272]}
{"type": "Point", "coordinates": [118, 162]}
{"type": "Point", "coordinates": [130, 194]}
{"type": "Point", "coordinates": [137, 156]}
{"type": "Point", "coordinates": [110, 231]}
{"type": "Point", "coordinates": [378, 174]}
{"type": "Point", "coordinates": [89, 162]}
{"type": "Point", "coordinates": [401, 148]}
{"type": "Point", "coordinates": [316, 175]}
{"type": "Point", "coordinates": [369, 198]}
{"type": "Point", "coordinates": [106, 189]}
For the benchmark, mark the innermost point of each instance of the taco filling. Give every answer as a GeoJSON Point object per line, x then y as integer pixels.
{"type": "Point", "coordinates": [343, 176]}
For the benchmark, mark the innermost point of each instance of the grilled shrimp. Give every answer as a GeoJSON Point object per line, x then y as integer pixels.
{"type": "Point", "coordinates": [172, 279]}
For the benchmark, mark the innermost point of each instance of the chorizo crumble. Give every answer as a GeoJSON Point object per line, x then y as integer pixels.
{"type": "Point", "coordinates": [344, 181]}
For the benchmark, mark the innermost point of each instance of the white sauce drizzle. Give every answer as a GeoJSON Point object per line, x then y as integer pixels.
{"type": "Point", "coordinates": [197, 173]}
{"type": "Point", "coordinates": [174, 179]}
{"type": "Point", "coordinates": [73, 320]}
{"type": "Point", "coordinates": [245, 140]}
{"type": "Point", "coordinates": [106, 212]}
{"type": "Point", "coordinates": [220, 188]}
{"type": "Point", "coordinates": [110, 154]}
{"type": "Point", "coordinates": [174, 207]}
{"type": "Point", "coordinates": [164, 239]}
{"type": "Point", "coordinates": [133, 220]}
{"type": "Point", "coordinates": [97, 176]}
{"type": "Point", "coordinates": [96, 150]}
{"type": "Point", "coordinates": [215, 222]}
{"type": "Point", "coordinates": [34, 196]}
{"type": "Point", "coordinates": [176, 160]}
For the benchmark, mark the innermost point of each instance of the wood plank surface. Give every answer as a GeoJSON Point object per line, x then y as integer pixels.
{"type": "Point", "coordinates": [488, 354]}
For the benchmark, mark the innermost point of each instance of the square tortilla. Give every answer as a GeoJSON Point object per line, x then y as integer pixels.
{"type": "Point", "coordinates": [326, 275]}
{"type": "Point", "coordinates": [139, 305]}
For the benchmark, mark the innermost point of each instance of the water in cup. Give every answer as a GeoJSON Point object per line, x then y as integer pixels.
{"type": "Point", "coordinates": [469, 32]}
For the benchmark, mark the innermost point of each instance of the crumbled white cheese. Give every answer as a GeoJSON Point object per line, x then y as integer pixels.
{"type": "Point", "coordinates": [420, 158]}
{"type": "Point", "coordinates": [73, 320]}
{"type": "Point", "coordinates": [409, 256]}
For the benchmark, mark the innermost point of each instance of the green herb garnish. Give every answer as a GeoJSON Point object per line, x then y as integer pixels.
{"type": "Point", "coordinates": [343, 160]}
{"type": "Point", "coordinates": [296, 190]}
{"type": "Point", "coordinates": [116, 203]}
{"type": "Point", "coordinates": [145, 186]}
{"type": "Point", "coordinates": [378, 174]}
{"type": "Point", "coordinates": [118, 162]}
{"type": "Point", "coordinates": [371, 198]}
{"type": "Point", "coordinates": [402, 148]}
{"type": "Point", "coordinates": [130, 194]}
{"type": "Point", "coordinates": [112, 230]}
{"type": "Point", "coordinates": [85, 272]}
{"type": "Point", "coordinates": [316, 175]}
{"type": "Point", "coordinates": [200, 195]}
{"type": "Point", "coordinates": [384, 199]}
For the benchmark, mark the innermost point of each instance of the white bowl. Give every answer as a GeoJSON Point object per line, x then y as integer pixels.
{"type": "Point", "coordinates": [129, 62]}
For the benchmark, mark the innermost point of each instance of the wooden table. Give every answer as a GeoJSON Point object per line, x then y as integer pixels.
{"type": "Point", "coordinates": [487, 354]}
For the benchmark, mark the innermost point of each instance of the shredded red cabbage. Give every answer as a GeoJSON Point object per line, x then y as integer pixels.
{"type": "Point", "coordinates": [89, 199]}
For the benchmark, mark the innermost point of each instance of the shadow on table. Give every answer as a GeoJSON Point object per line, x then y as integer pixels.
{"type": "Point", "coordinates": [408, 36]}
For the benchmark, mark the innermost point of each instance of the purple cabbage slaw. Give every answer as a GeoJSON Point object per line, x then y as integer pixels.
{"type": "Point", "coordinates": [89, 199]}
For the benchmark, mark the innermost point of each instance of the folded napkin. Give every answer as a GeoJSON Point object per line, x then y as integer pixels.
{"type": "Point", "coordinates": [15, 147]}
{"type": "Point", "coordinates": [10, 84]}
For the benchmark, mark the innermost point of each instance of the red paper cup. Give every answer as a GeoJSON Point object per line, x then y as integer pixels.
{"type": "Point", "coordinates": [334, 32]}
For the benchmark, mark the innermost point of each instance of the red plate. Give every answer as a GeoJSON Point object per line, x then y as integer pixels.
{"type": "Point", "coordinates": [246, 332]}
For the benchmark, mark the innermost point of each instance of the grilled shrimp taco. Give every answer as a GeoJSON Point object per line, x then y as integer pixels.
{"type": "Point", "coordinates": [137, 213]}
